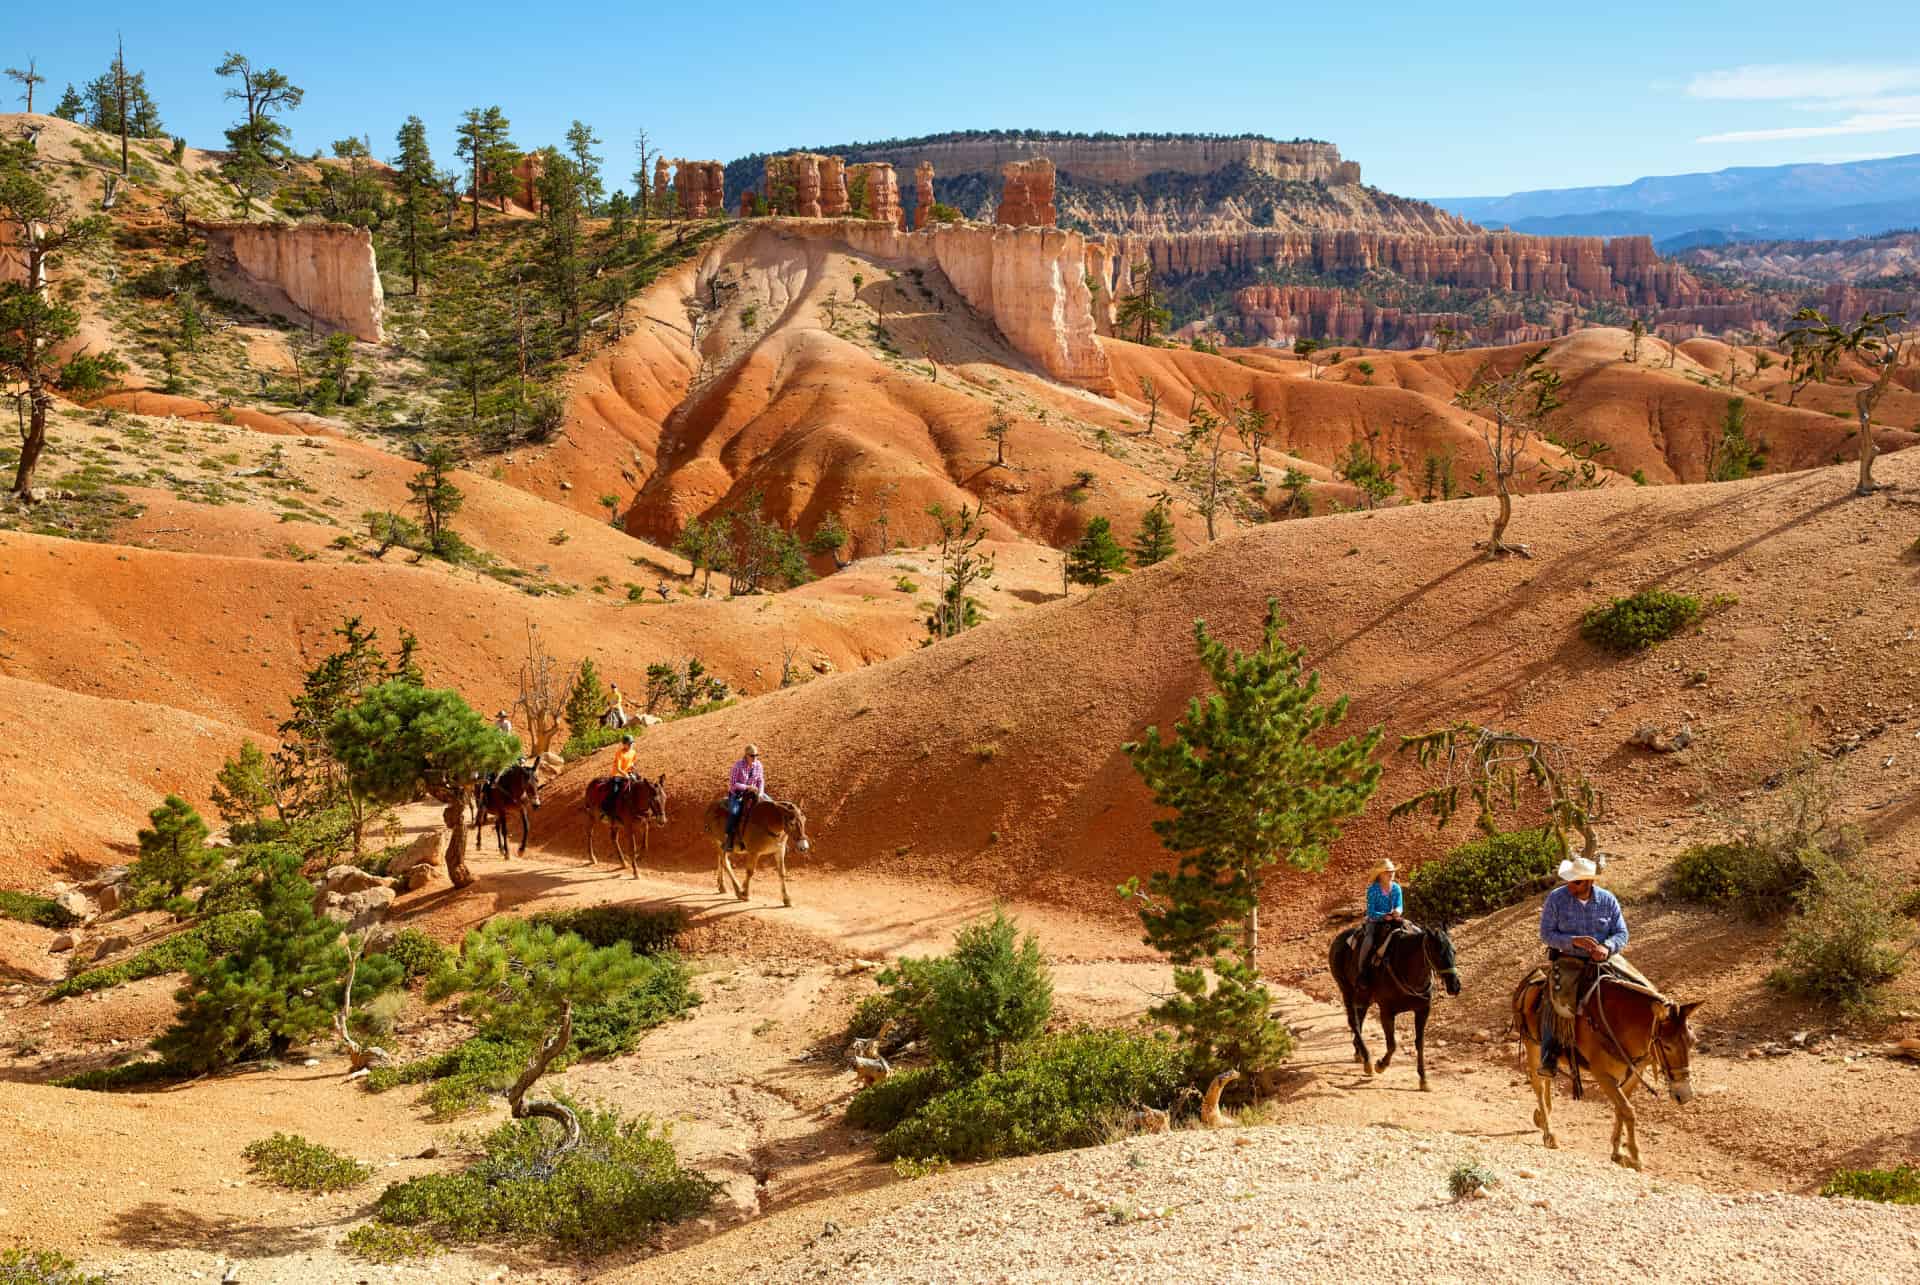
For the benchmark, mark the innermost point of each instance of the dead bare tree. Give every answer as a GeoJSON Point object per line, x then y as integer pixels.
{"type": "Point", "coordinates": [1150, 393]}
{"type": "Point", "coordinates": [1515, 405]}
{"type": "Point", "coordinates": [1489, 767]}
{"type": "Point", "coordinates": [359, 1056]}
{"type": "Point", "coordinates": [1816, 346]}
{"type": "Point", "coordinates": [543, 694]}
{"type": "Point", "coordinates": [788, 674]}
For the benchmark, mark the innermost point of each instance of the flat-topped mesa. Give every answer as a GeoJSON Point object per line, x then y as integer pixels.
{"type": "Point", "coordinates": [1026, 194]}
{"type": "Point", "coordinates": [1128, 160]}
{"type": "Point", "coordinates": [698, 185]}
{"type": "Point", "coordinates": [922, 194]}
{"type": "Point", "coordinates": [320, 275]}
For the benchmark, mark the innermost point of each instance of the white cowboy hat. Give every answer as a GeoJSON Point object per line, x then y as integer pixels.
{"type": "Point", "coordinates": [1386, 866]}
{"type": "Point", "coordinates": [1577, 869]}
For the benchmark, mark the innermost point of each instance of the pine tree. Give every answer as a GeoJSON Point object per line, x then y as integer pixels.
{"type": "Point", "coordinates": [416, 182]}
{"type": "Point", "coordinates": [562, 248]}
{"type": "Point", "coordinates": [1154, 541]}
{"type": "Point", "coordinates": [1247, 785]}
{"type": "Point", "coordinates": [992, 991]}
{"type": "Point", "coordinates": [279, 985]}
{"type": "Point", "coordinates": [524, 981]}
{"type": "Point", "coordinates": [587, 700]}
{"type": "Point", "coordinates": [1097, 555]}
{"type": "Point", "coordinates": [35, 322]}
{"type": "Point", "coordinates": [71, 106]}
{"type": "Point", "coordinates": [962, 565]}
{"type": "Point", "coordinates": [259, 139]}
{"type": "Point", "coordinates": [27, 79]}
{"type": "Point", "coordinates": [1140, 314]}
{"type": "Point", "coordinates": [402, 740]}
{"type": "Point", "coordinates": [490, 156]}
{"type": "Point", "coordinates": [173, 854]}
{"type": "Point", "coordinates": [438, 499]}
{"type": "Point", "coordinates": [996, 432]}
{"type": "Point", "coordinates": [705, 543]}
{"type": "Point", "coordinates": [586, 166]}
{"type": "Point", "coordinates": [242, 788]}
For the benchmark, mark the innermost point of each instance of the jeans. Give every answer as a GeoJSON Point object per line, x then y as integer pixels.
{"type": "Point", "coordinates": [737, 804]}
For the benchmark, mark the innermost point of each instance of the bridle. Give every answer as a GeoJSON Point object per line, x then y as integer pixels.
{"type": "Point", "coordinates": [1656, 1047]}
{"type": "Point", "coordinates": [1434, 968]}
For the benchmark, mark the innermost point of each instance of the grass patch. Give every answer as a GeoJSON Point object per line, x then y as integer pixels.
{"type": "Point", "coordinates": [613, 1190]}
{"type": "Point", "coordinates": [178, 953]}
{"type": "Point", "coordinates": [1482, 875]}
{"type": "Point", "coordinates": [1634, 623]}
{"type": "Point", "coordinates": [290, 1161]}
{"type": "Point", "coordinates": [1897, 1186]}
{"type": "Point", "coordinates": [29, 909]}
{"type": "Point", "coordinates": [1056, 1092]}
{"type": "Point", "coordinates": [129, 1075]}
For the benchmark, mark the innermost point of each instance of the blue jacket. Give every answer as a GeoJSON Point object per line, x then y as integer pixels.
{"type": "Point", "coordinates": [1562, 918]}
{"type": "Point", "coordinates": [1381, 904]}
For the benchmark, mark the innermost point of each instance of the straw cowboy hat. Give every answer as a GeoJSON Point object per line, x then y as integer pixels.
{"type": "Point", "coordinates": [753, 751]}
{"type": "Point", "coordinates": [1386, 867]}
{"type": "Point", "coordinates": [1575, 869]}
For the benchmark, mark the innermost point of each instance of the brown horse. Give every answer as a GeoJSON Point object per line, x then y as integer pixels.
{"type": "Point", "coordinates": [640, 803]}
{"type": "Point", "coordinates": [764, 832]}
{"type": "Point", "coordinates": [1621, 1030]}
{"type": "Point", "coordinates": [516, 790]}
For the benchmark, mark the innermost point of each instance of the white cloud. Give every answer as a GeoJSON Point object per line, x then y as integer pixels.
{"type": "Point", "coordinates": [1804, 80]}
{"type": "Point", "coordinates": [1862, 99]}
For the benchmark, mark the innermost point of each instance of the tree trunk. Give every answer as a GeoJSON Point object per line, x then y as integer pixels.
{"type": "Point", "coordinates": [359, 1056]}
{"type": "Point", "coordinates": [1867, 450]}
{"type": "Point", "coordinates": [1494, 546]}
{"type": "Point", "coordinates": [1251, 934]}
{"type": "Point", "coordinates": [31, 446]}
{"type": "Point", "coordinates": [455, 819]}
{"type": "Point", "coordinates": [517, 1095]}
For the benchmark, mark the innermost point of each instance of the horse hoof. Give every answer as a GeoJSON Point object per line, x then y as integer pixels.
{"type": "Point", "coordinates": [1380, 1067]}
{"type": "Point", "coordinates": [1424, 1087]}
{"type": "Point", "coordinates": [1552, 1143]}
{"type": "Point", "coordinates": [786, 901]}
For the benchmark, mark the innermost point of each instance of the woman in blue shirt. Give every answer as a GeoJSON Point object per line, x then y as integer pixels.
{"type": "Point", "coordinates": [1383, 907]}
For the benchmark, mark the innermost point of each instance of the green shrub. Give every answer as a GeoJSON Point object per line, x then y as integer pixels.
{"type": "Point", "coordinates": [1482, 875]}
{"type": "Point", "coordinates": [589, 739]}
{"type": "Point", "coordinates": [459, 1079]}
{"type": "Point", "coordinates": [1637, 622]}
{"type": "Point", "coordinates": [1836, 952]}
{"type": "Point", "coordinates": [126, 1076]}
{"type": "Point", "coordinates": [1057, 1092]}
{"type": "Point", "coordinates": [42, 1267]}
{"type": "Point", "coordinates": [417, 954]}
{"type": "Point", "coordinates": [621, 1182]}
{"type": "Point", "coordinates": [879, 1107]}
{"type": "Point", "coordinates": [29, 909]}
{"type": "Point", "coordinates": [1470, 1177]}
{"type": "Point", "coordinates": [179, 953]}
{"type": "Point", "coordinates": [876, 1013]}
{"type": "Point", "coordinates": [1898, 1186]}
{"type": "Point", "coordinates": [1760, 880]}
{"type": "Point", "coordinates": [664, 991]}
{"type": "Point", "coordinates": [648, 931]}
{"type": "Point", "coordinates": [289, 1160]}
{"type": "Point", "coordinates": [384, 1243]}
{"type": "Point", "coordinates": [992, 992]}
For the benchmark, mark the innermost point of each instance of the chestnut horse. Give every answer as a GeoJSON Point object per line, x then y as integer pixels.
{"type": "Point", "coordinates": [764, 832]}
{"type": "Point", "coordinates": [1621, 1029]}
{"type": "Point", "coordinates": [1402, 980]}
{"type": "Point", "coordinates": [516, 790]}
{"type": "Point", "coordinates": [639, 803]}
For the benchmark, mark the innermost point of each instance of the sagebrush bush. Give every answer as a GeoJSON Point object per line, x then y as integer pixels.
{"type": "Point", "coordinates": [1761, 881]}
{"type": "Point", "coordinates": [182, 952]}
{"type": "Point", "coordinates": [649, 931]}
{"type": "Point", "coordinates": [1482, 875]}
{"type": "Point", "coordinates": [1638, 621]}
{"type": "Point", "coordinates": [104, 1079]}
{"type": "Point", "coordinates": [1896, 1186]}
{"type": "Point", "coordinates": [1836, 952]}
{"type": "Point", "coordinates": [1056, 1092]}
{"type": "Point", "coordinates": [385, 1243]}
{"type": "Point", "coordinates": [620, 1183]}
{"type": "Point", "coordinates": [29, 909]}
{"type": "Point", "coordinates": [43, 1267]}
{"type": "Point", "coordinates": [879, 1107]}
{"type": "Point", "coordinates": [289, 1160]}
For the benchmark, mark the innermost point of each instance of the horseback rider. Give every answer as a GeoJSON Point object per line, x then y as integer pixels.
{"type": "Point", "coordinates": [503, 724]}
{"type": "Point", "coordinates": [1582, 926]}
{"type": "Point", "coordinates": [1384, 904]}
{"type": "Point", "coordinates": [746, 785]}
{"type": "Point", "coordinates": [624, 760]}
{"type": "Point", "coordinates": [616, 715]}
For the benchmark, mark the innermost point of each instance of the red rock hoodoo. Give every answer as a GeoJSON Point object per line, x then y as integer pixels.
{"type": "Point", "coordinates": [922, 194]}
{"type": "Point", "coordinates": [1026, 195]}
{"type": "Point", "coordinates": [881, 188]}
{"type": "Point", "coordinates": [700, 187]}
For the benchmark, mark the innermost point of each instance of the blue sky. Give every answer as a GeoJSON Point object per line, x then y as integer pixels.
{"type": "Point", "coordinates": [1431, 100]}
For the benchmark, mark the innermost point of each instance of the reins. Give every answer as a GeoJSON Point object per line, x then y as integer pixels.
{"type": "Point", "coordinates": [1656, 1052]}
{"type": "Point", "coordinates": [1433, 970]}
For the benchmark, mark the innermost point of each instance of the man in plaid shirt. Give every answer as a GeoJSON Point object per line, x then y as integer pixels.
{"type": "Point", "coordinates": [1578, 920]}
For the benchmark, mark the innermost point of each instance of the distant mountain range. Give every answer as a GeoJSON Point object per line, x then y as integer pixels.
{"type": "Point", "coordinates": [1859, 198]}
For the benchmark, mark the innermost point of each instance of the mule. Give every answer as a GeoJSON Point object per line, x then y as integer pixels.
{"type": "Point", "coordinates": [640, 804]}
{"type": "Point", "coordinates": [1621, 1029]}
{"type": "Point", "coordinates": [764, 832]}
{"type": "Point", "coordinates": [1402, 980]}
{"type": "Point", "coordinates": [515, 791]}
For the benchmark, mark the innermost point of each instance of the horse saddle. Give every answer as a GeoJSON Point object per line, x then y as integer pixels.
{"type": "Point", "coordinates": [1572, 980]}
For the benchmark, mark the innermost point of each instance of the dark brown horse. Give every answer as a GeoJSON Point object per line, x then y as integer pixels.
{"type": "Point", "coordinates": [764, 832]}
{"type": "Point", "coordinates": [1622, 1030]}
{"type": "Point", "coordinates": [514, 791]}
{"type": "Point", "coordinates": [1402, 980]}
{"type": "Point", "coordinates": [638, 803]}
